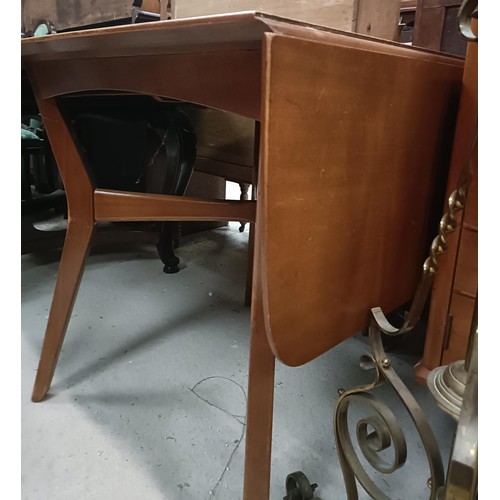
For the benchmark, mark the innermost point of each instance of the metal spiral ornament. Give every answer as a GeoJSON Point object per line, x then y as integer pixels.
{"type": "Point", "coordinates": [386, 434]}
{"type": "Point", "coordinates": [381, 431]}
{"type": "Point", "coordinates": [447, 225]}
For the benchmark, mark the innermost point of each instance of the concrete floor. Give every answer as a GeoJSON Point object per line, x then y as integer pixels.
{"type": "Point", "coordinates": [148, 399]}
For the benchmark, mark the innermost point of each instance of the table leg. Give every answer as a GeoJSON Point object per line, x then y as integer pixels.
{"type": "Point", "coordinates": [244, 187]}
{"type": "Point", "coordinates": [75, 251]}
{"type": "Point", "coordinates": [259, 409]}
{"type": "Point", "coordinates": [79, 193]}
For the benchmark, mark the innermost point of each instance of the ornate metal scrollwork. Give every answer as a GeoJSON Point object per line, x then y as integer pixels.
{"type": "Point", "coordinates": [381, 431]}
{"type": "Point", "coordinates": [386, 431]}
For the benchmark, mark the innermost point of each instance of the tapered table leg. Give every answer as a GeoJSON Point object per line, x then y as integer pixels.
{"type": "Point", "coordinates": [79, 193]}
{"type": "Point", "coordinates": [76, 247]}
{"type": "Point", "coordinates": [259, 409]}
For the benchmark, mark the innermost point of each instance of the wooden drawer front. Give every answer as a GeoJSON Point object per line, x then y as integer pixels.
{"type": "Point", "coordinates": [470, 215]}
{"type": "Point", "coordinates": [462, 311]}
{"type": "Point", "coordinates": [467, 260]}
{"type": "Point", "coordinates": [466, 270]}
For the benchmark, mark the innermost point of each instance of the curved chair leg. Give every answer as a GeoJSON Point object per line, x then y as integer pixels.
{"type": "Point", "coordinates": [165, 247]}
{"type": "Point", "coordinates": [179, 144]}
{"type": "Point", "coordinates": [75, 251]}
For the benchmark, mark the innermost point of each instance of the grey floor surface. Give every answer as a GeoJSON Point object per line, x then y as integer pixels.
{"type": "Point", "coordinates": [148, 399]}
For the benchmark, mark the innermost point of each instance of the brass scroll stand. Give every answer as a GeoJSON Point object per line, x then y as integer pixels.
{"type": "Point", "coordinates": [454, 387]}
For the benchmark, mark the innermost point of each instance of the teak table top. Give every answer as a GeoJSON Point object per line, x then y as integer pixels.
{"type": "Point", "coordinates": [351, 143]}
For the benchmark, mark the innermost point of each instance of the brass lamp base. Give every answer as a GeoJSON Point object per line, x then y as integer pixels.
{"type": "Point", "coordinates": [447, 385]}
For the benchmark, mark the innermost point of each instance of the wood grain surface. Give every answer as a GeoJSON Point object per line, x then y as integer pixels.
{"type": "Point", "coordinates": [351, 139]}
{"type": "Point", "coordinates": [359, 135]}
{"type": "Point", "coordinates": [465, 133]}
{"type": "Point", "coordinates": [111, 205]}
{"type": "Point", "coordinates": [228, 79]}
{"type": "Point", "coordinates": [79, 192]}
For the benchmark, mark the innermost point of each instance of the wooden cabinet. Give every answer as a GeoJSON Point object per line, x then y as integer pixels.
{"type": "Point", "coordinates": [436, 26]}
{"type": "Point", "coordinates": [432, 24]}
{"type": "Point", "coordinates": [454, 293]}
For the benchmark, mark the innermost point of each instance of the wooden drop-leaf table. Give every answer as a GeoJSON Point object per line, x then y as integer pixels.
{"type": "Point", "coordinates": [352, 137]}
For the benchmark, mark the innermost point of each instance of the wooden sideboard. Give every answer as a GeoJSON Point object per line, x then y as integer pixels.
{"type": "Point", "coordinates": [454, 294]}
